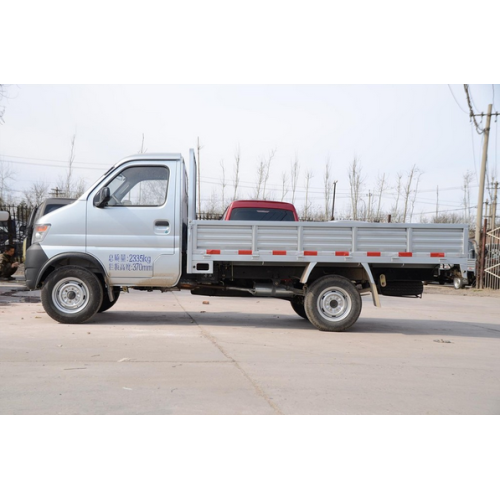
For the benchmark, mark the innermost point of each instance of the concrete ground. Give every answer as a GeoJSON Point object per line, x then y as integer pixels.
{"type": "Point", "coordinates": [175, 353]}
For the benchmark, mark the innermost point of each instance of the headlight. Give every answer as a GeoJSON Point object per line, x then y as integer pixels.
{"type": "Point", "coordinates": [40, 232]}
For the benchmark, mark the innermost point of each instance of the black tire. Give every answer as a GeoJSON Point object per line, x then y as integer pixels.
{"type": "Point", "coordinates": [106, 303]}
{"type": "Point", "coordinates": [297, 304]}
{"type": "Point", "coordinates": [72, 295]}
{"type": "Point", "coordinates": [458, 283]}
{"type": "Point", "coordinates": [332, 304]}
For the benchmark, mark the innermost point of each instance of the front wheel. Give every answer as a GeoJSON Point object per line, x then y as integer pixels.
{"type": "Point", "coordinates": [332, 304]}
{"type": "Point", "coordinates": [72, 295]}
{"type": "Point", "coordinates": [458, 283]}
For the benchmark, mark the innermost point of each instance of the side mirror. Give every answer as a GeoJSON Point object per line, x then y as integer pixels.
{"type": "Point", "coordinates": [102, 197]}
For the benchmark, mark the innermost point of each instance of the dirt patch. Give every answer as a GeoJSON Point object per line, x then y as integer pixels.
{"type": "Point", "coordinates": [19, 296]}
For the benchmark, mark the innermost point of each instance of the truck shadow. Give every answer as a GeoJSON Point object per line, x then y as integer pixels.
{"type": "Point", "coordinates": [291, 322]}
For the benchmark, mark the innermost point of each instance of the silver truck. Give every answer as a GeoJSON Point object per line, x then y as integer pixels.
{"type": "Point", "coordinates": [136, 228]}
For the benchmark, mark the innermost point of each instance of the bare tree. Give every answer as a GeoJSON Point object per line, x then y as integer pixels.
{"type": "Point", "coordinates": [294, 177]}
{"type": "Point", "coordinates": [268, 167]}
{"type": "Point", "coordinates": [37, 193]}
{"type": "Point", "coordinates": [328, 187]}
{"type": "Point", "coordinates": [3, 95]}
{"type": "Point", "coordinates": [142, 150]}
{"type": "Point", "coordinates": [415, 192]}
{"type": "Point", "coordinates": [149, 192]}
{"type": "Point", "coordinates": [395, 208]}
{"type": "Point", "coordinates": [223, 184]}
{"type": "Point", "coordinates": [236, 172]}
{"type": "Point", "coordinates": [67, 187]}
{"type": "Point", "coordinates": [263, 176]}
{"type": "Point", "coordinates": [71, 187]}
{"type": "Point", "coordinates": [447, 218]}
{"type": "Point", "coordinates": [467, 181]}
{"type": "Point", "coordinates": [368, 215]}
{"type": "Point", "coordinates": [261, 172]}
{"type": "Point", "coordinates": [212, 205]}
{"type": "Point", "coordinates": [308, 205]}
{"type": "Point", "coordinates": [355, 183]}
{"type": "Point", "coordinates": [6, 175]}
{"type": "Point", "coordinates": [437, 201]}
{"type": "Point", "coordinates": [284, 185]}
{"type": "Point", "coordinates": [381, 185]}
{"type": "Point", "coordinates": [410, 191]}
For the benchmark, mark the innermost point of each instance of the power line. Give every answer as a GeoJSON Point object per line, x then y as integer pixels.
{"type": "Point", "coordinates": [471, 98]}
{"type": "Point", "coordinates": [473, 150]}
{"type": "Point", "coordinates": [446, 211]}
{"type": "Point", "coordinates": [55, 161]}
{"type": "Point", "coordinates": [251, 184]}
{"type": "Point", "coordinates": [456, 99]}
{"type": "Point", "coordinates": [472, 115]}
{"type": "Point", "coordinates": [54, 166]}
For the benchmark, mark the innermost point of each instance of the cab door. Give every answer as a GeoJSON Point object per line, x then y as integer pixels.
{"type": "Point", "coordinates": [135, 233]}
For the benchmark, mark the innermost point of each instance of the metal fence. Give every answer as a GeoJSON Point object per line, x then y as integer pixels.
{"type": "Point", "coordinates": [13, 231]}
{"type": "Point", "coordinates": [208, 216]}
{"type": "Point", "coordinates": [491, 276]}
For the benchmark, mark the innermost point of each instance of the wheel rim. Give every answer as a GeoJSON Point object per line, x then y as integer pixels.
{"type": "Point", "coordinates": [334, 304]}
{"type": "Point", "coordinates": [70, 295]}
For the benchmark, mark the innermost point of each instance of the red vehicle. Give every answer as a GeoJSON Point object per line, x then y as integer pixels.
{"type": "Point", "coordinates": [261, 210]}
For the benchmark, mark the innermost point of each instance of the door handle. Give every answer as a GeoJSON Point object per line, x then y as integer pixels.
{"type": "Point", "coordinates": [162, 226]}
{"type": "Point", "coordinates": [162, 223]}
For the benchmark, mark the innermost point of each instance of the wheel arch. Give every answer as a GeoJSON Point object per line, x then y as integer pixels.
{"type": "Point", "coordinates": [72, 259]}
{"type": "Point", "coordinates": [353, 273]}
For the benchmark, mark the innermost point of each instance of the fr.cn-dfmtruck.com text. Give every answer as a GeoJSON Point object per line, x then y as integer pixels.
{"type": "Point", "coordinates": [349, 481]}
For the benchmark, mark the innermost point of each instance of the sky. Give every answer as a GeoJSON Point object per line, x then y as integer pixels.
{"type": "Point", "coordinates": [387, 128]}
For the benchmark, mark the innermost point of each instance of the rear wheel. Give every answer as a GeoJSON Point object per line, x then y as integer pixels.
{"type": "Point", "coordinates": [297, 304]}
{"type": "Point", "coordinates": [72, 295]}
{"type": "Point", "coordinates": [332, 304]}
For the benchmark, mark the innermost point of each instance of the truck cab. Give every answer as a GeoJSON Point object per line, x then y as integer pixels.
{"type": "Point", "coordinates": [126, 230]}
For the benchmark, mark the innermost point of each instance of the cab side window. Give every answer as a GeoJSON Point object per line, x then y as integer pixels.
{"type": "Point", "coordinates": [144, 186]}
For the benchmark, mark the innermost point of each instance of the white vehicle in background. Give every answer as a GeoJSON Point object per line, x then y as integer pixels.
{"type": "Point", "coordinates": [448, 273]}
{"type": "Point", "coordinates": [7, 230]}
{"type": "Point", "coordinates": [46, 207]}
{"type": "Point", "coordinates": [137, 228]}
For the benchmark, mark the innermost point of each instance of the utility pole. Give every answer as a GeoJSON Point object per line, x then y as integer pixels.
{"type": "Point", "coordinates": [479, 215]}
{"type": "Point", "coordinates": [333, 199]}
{"type": "Point", "coordinates": [369, 211]}
{"type": "Point", "coordinates": [198, 176]}
{"type": "Point", "coordinates": [437, 203]}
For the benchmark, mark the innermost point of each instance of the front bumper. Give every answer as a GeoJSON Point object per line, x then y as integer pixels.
{"type": "Point", "coordinates": [36, 259]}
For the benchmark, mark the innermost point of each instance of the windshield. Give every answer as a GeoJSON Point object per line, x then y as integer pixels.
{"type": "Point", "coordinates": [262, 214]}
